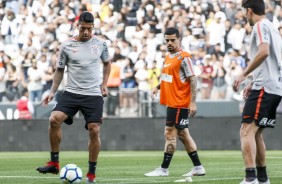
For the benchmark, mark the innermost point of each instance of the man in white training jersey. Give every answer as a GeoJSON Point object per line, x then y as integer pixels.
{"type": "Point", "coordinates": [263, 94]}
{"type": "Point", "coordinates": [82, 54]}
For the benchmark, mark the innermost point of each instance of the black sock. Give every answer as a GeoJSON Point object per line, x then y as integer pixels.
{"type": "Point", "coordinates": [55, 156]}
{"type": "Point", "coordinates": [250, 174]}
{"type": "Point", "coordinates": [166, 160]}
{"type": "Point", "coordinates": [261, 173]}
{"type": "Point", "coordinates": [92, 167]}
{"type": "Point", "coordinates": [195, 158]}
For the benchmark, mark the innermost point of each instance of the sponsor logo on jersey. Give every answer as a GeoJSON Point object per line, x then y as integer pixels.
{"type": "Point", "coordinates": [167, 78]}
{"type": "Point", "coordinates": [166, 65]}
{"type": "Point", "coordinates": [73, 45]}
{"type": "Point", "coordinates": [95, 49]}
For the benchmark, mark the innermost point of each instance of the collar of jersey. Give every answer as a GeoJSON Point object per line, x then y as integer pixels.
{"type": "Point", "coordinates": [173, 55]}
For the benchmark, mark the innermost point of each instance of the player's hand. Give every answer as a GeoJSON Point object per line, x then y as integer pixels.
{"type": "Point", "coordinates": [154, 93]}
{"type": "Point", "coordinates": [104, 90]}
{"type": "Point", "coordinates": [237, 82]}
{"type": "Point", "coordinates": [47, 99]}
{"type": "Point", "coordinates": [247, 90]}
{"type": "Point", "coordinates": [193, 109]}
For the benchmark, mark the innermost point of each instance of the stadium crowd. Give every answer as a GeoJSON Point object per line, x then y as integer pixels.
{"type": "Point", "coordinates": [214, 32]}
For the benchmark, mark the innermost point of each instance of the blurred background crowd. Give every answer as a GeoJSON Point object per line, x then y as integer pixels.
{"type": "Point", "coordinates": [214, 32]}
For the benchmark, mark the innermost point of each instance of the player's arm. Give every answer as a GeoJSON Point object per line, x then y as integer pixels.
{"type": "Point", "coordinates": [106, 72]}
{"type": "Point", "coordinates": [58, 76]}
{"type": "Point", "coordinates": [155, 90]}
{"type": "Point", "coordinates": [59, 73]}
{"type": "Point", "coordinates": [193, 89]}
{"type": "Point", "coordinates": [106, 69]}
{"type": "Point", "coordinates": [262, 40]}
{"type": "Point", "coordinates": [261, 55]}
{"type": "Point", "coordinates": [187, 67]}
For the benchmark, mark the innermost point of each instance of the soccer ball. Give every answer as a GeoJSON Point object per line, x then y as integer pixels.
{"type": "Point", "coordinates": [71, 173]}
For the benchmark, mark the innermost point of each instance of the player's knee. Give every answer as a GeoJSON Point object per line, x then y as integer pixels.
{"type": "Point", "coordinates": [243, 133]}
{"type": "Point", "coordinates": [246, 132]}
{"type": "Point", "coordinates": [54, 122]}
{"type": "Point", "coordinates": [94, 130]}
{"type": "Point", "coordinates": [168, 132]}
{"type": "Point", "coordinates": [183, 135]}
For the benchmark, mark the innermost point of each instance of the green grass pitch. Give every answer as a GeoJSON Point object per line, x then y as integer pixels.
{"type": "Point", "coordinates": [128, 167]}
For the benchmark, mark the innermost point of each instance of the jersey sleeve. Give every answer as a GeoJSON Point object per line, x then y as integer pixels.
{"type": "Point", "coordinates": [62, 59]}
{"type": "Point", "coordinates": [262, 33]}
{"type": "Point", "coordinates": [105, 53]}
{"type": "Point", "coordinates": [187, 67]}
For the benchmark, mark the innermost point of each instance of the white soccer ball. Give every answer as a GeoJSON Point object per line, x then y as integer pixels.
{"type": "Point", "coordinates": [71, 173]}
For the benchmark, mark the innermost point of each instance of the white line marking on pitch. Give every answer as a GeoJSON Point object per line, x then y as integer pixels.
{"type": "Point", "coordinates": [130, 180]}
{"type": "Point", "coordinates": [29, 177]}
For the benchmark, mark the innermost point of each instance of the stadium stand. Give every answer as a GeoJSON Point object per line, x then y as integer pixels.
{"type": "Point", "coordinates": [215, 32]}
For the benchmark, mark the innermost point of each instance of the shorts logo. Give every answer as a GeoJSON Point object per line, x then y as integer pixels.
{"type": "Point", "coordinates": [267, 122]}
{"type": "Point", "coordinates": [184, 122]}
{"type": "Point", "coordinates": [95, 49]}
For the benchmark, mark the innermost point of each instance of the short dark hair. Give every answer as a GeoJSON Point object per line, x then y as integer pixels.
{"type": "Point", "coordinates": [172, 31]}
{"type": "Point", "coordinates": [257, 6]}
{"type": "Point", "coordinates": [86, 17]}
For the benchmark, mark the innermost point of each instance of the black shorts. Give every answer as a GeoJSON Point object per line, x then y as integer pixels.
{"type": "Point", "coordinates": [260, 107]}
{"type": "Point", "coordinates": [90, 106]}
{"type": "Point", "coordinates": [177, 117]}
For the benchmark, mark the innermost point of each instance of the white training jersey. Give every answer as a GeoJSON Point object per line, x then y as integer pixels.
{"type": "Point", "coordinates": [269, 74]}
{"type": "Point", "coordinates": [83, 60]}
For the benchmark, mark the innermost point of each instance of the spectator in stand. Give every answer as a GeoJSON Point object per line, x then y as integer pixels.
{"type": "Point", "coordinates": [216, 33]}
{"type": "Point", "coordinates": [43, 64]}
{"type": "Point", "coordinates": [280, 30]}
{"type": "Point", "coordinates": [114, 82]}
{"type": "Point", "coordinates": [154, 74]}
{"type": "Point", "coordinates": [230, 10]}
{"type": "Point", "coordinates": [35, 27]}
{"type": "Point", "coordinates": [25, 107]}
{"type": "Point", "coordinates": [141, 77]}
{"type": "Point", "coordinates": [134, 53]}
{"type": "Point", "coordinates": [11, 78]}
{"type": "Point", "coordinates": [34, 82]}
{"type": "Point", "coordinates": [9, 27]}
{"type": "Point", "coordinates": [128, 84]}
{"type": "Point", "coordinates": [218, 75]}
{"type": "Point", "coordinates": [236, 35]}
{"type": "Point", "coordinates": [217, 51]}
{"type": "Point", "coordinates": [151, 19]}
{"type": "Point", "coordinates": [277, 19]}
{"type": "Point", "coordinates": [228, 26]}
{"type": "Point", "coordinates": [206, 76]}
{"type": "Point", "coordinates": [239, 59]}
{"type": "Point", "coordinates": [2, 81]}
{"type": "Point", "coordinates": [47, 79]}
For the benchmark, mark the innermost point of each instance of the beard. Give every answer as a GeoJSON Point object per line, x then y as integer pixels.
{"type": "Point", "coordinates": [251, 22]}
{"type": "Point", "coordinates": [84, 37]}
{"type": "Point", "coordinates": [170, 49]}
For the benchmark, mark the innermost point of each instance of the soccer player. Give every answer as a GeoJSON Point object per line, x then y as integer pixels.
{"type": "Point", "coordinates": [178, 86]}
{"type": "Point", "coordinates": [263, 94]}
{"type": "Point", "coordinates": [84, 91]}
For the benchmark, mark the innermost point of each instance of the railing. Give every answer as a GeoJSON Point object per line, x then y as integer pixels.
{"type": "Point", "coordinates": [133, 103]}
